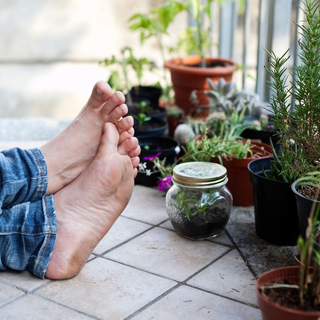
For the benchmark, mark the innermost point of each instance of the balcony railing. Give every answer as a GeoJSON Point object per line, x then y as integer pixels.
{"type": "Point", "coordinates": [243, 34]}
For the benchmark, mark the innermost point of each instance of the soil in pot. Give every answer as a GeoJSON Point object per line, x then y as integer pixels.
{"type": "Point", "coordinates": [209, 64]}
{"type": "Point", "coordinates": [202, 227]}
{"type": "Point", "coordinates": [152, 111]}
{"type": "Point", "coordinates": [283, 303]}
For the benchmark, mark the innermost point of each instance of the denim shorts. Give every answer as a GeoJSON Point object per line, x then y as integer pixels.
{"type": "Point", "coordinates": [27, 217]}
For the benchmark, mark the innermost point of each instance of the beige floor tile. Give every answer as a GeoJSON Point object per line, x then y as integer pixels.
{"type": "Point", "coordinates": [190, 304]}
{"type": "Point", "coordinates": [147, 205]}
{"type": "Point", "coordinates": [107, 290]}
{"type": "Point", "coordinates": [229, 277]}
{"type": "Point", "coordinates": [22, 280]}
{"type": "Point", "coordinates": [165, 253]}
{"type": "Point", "coordinates": [222, 238]}
{"type": "Point", "coordinates": [122, 230]}
{"type": "Point", "coordinates": [31, 307]}
{"type": "Point", "coordinates": [8, 293]}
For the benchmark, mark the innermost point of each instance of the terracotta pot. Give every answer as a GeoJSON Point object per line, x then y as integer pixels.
{"type": "Point", "coordinates": [173, 122]}
{"type": "Point", "coordinates": [238, 174]}
{"type": "Point", "coordinates": [271, 310]}
{"type": "Point", "coordinates": [186, 77]}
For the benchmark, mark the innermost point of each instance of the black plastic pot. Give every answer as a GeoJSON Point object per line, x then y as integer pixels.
{"type": "Point", "coordinates": [151, 146]}
{"type": "Point", "coordinates": [152, 128]}
{"type": "Point", "coordinates": [148, 92]}
{"type": "Point", "coordinates": [275, 209]}
{"type": "Point", "coordinates": [264, 136]}
{"type": "Point", "coordinates": [154, 112]}
{"type": "Point", "coordinates": [304, 206]}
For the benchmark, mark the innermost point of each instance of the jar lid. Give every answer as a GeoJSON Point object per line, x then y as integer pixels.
{"type": "Point", "coordinates": [200, 174]}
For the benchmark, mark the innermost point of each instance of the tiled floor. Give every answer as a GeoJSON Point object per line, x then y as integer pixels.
{"type": "Point", "coordinates": [141, 270]}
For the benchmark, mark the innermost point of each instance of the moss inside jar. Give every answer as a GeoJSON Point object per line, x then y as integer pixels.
{"type": "Point", "coordinates": [199, 203]}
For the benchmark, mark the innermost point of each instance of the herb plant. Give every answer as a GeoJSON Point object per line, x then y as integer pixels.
{"type": "Point", "coordinates": [295, 104]}
{"type": "Point", "coordinates": [128, 62]}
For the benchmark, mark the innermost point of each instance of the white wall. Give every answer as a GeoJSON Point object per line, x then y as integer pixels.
{"type": "Point", "coordinates": [50, 49]}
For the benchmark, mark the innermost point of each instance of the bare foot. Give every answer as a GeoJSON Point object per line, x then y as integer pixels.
{"type": "Point", "coordinates": [69, 153]}
{"type": "Point", "coordinates": [87, 208]}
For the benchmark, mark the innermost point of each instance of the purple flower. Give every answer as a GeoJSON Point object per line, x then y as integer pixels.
{"type": "Point", "coordinates": [151, 158]}
{"type": "Point", "coordinates": [165, 183]}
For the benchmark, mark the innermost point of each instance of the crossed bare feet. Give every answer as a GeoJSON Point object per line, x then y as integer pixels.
{"type": "Point", "coordinates": [69, 153]}
{"type": "Point", "coordinates": [92, 179]}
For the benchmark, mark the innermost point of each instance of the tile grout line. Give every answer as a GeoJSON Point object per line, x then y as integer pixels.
{"type": "Point", "coordinates": [13, 300]}
{"type": "Point", "coordinates": [184, 283]}
{"type": "Point", "coordinates": [179, 284]}
{"type": "Point", "coordinates": [241, 254]}
{"type": "Point", "coordinates": [64, 306]}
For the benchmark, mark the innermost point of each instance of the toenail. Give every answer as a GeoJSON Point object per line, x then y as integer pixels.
{"type": "Point", "coordinates": [119, 95]}
{"type": "Point", "coordinates": [99, 91]}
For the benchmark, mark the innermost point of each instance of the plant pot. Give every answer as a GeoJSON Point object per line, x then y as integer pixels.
{"type": "Point", "coordinates": [147, 92]}
{"type": "Point", "coordinates": [173, 122]}
{"type": "Point", "coordinates": [304, 206]}
{"type": "Point", "coordinates": [275, 209]}
{"type": "Point", "coordinates": [153, 112]}
{"type": "Point", "coordinates": [152, 128]}
{"type": "Point", "coordinates": [264, 136]}
{"type": "Point", "coordinates": [169, 149]}
{"type": "Point", "coordinates": [186, 76]}
{"type": "Point", "coordinates": [271, 310]}
{"type": "Point", "coordinates": [238, 175]}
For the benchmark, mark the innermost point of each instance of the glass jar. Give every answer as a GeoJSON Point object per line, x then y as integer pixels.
{"type": "Point", "coordinates": [199, 203]}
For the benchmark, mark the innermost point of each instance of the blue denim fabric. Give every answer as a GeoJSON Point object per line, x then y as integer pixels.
{"type": "Point", "coordinates": [27, 217]}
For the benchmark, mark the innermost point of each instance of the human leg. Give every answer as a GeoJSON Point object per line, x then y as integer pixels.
{"type": "Point", "coordinates": [27, 236]}
{"type": "Point", "coordinates": [54, 235]}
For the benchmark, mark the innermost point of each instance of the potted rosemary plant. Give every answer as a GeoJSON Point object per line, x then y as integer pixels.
{"type": "Point", "coordinates": [295, 108]}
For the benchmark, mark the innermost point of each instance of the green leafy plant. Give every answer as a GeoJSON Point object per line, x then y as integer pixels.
{"type": "Point", "coordinates": [203, 148]}
{"type": "Point", "coordinates": [141, 118]}
{"type": "Point", "coordinates": [154, 24]}
{"type": "Point", "coordinates": [189, 203]}
{"type": "Point", "coordinates": [295, 105]}
{"type": "Point", "coordinates": [127, 61]}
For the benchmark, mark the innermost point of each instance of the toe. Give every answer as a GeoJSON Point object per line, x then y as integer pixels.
{"type": "Point", "coordinates": [116, 114]}
{"type": "Point", "coordinates": [135, 162]}
{"type": "Point", "coordinates": [126, 135]}
{"type": "Point", "coordinates": [125, 124]}
{"type": "Point", "coordinates": [114, 108]}
{"type": "Point", "coordinates": [129, 147]}
{"type": "Point", "coordinates": [101, 92]}
{"type": "Point", "coordinates": [109, 140]}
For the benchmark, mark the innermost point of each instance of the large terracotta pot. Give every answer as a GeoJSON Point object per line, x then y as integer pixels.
{"type": "Point", "coordinates": [271, 310]}
{"type": "Point", "coordinates": [186, 77]}
{"type": "Point", "coordinates": [238, 175]}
